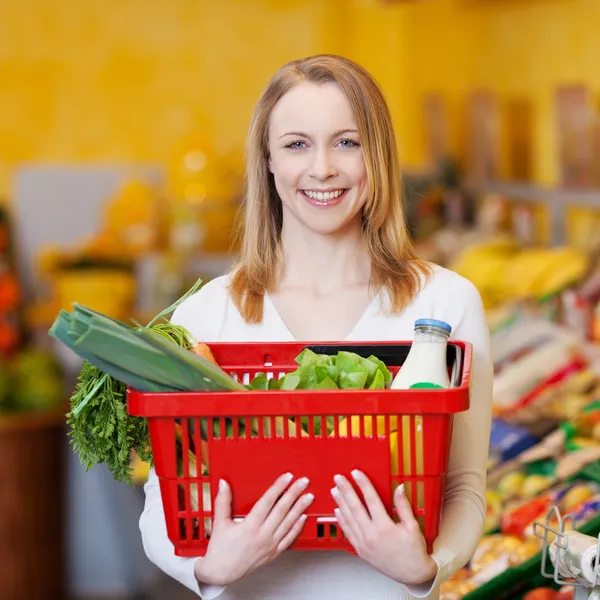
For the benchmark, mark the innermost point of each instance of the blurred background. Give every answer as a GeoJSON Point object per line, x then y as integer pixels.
{"type": "Point", "coordinates": [121, 173]}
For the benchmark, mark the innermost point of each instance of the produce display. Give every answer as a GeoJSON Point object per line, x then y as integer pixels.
{"type": "Point", "coordinates": [10, 294]}
{"type": "Point", "coordinates": [545, 448]}
{"type": "Point", "coordinates": [547, 593]}
{"type": "Point", "coordinates": [30, 380]}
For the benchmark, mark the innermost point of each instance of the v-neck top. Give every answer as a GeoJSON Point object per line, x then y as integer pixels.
{"type": "Point", "coordinates": [278, 323]}
{"type": "Point", "coordinates": [211, 316]}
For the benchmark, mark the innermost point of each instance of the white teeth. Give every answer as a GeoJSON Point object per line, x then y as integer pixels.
{"type": "Point", "coordinates": [324, 196]}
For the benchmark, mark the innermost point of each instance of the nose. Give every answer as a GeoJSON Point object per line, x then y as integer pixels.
{"type": "Point", "coordinates": [323, 166]}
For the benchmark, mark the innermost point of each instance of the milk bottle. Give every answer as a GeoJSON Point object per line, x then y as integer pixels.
{"type": "Point", "coordinates": [426, 360]}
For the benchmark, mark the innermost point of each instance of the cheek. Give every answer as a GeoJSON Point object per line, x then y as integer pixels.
{"type": "Point", "coordinates": [361, 170]}
{"type": "Point", "coordinates": [286, 171]}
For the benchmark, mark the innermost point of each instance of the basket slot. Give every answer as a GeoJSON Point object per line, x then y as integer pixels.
{"type": "Point", "coordinates": [418, 429]}
{"type": "Point", "coordinates": [234, 375]}
{"type": "Point", "coordinates": [406, 447]}
{"type": "Point", "coordinates": [206, 503]}
{"type": "Point", "coordinates": [318, 425]}
{"type": "Point", "coordinates": [395, 456]}
{"type": "Point", "coordinates": [206, 528]}
{"type": "Point", "coordinates": [370, 422]}
{"type": "Point", "coordinates": [200, 428]}
{"type": "Point", "coordinates": [326, 422]}
{"type": "Point", "coordinates": [328, 531]}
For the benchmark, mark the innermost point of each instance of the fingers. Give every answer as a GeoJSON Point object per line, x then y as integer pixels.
{"type": "Point", "coordinates": [372, 499]}
{"type": "Point", "coordinates": [351, 528]}
{"type": "Point", "coordinates": [285, 503]}
{"type": "Point", "coordinates": [405, 512]}
{"type": "Point", "coordinates": [349, 502]}
{"type": "Point", "coordinates": [292, 516]}
{"type": "Point", "coordinates": [264, 505]}
{"type": "Point", "coordinates": [223, 503]}
{"type": "Point", "coordinates": [346, 528]}
{"type": "Point", "coordinates": [292, 534]}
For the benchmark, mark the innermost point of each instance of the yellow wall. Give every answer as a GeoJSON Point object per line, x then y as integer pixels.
{"type": "Point", "coordinates": [123, 80]}
{"type": "Point", "coordinates": [131, 80]}
{"type": "Point", "coordinates": [521, 49]}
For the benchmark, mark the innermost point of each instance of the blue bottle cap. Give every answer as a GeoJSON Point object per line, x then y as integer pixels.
{"type": "Point", "coordinates": [434, 323]}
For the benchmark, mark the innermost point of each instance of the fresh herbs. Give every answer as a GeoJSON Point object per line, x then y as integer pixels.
{"type": "Point", "coordinates": [104, 432]}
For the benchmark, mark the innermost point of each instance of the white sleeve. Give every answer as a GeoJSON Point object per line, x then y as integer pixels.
{"type": "Point", "coordinates": [159, 549]}
{"type": "Point", "coordinates": [464, 509]}
{"type": "Point", "coordinates": [202, 314]}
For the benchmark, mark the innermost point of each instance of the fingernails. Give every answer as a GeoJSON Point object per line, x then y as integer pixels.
{"type": "Point", "coordinates": [308, 498]}
{"type": "Point", "coordinates": [339, 480]}
{"type": "Point", "coordinates": [288, 477]}
{"type": "Point", "coordinates": [335, 492]}
{"type": "Point", "coordinates": [302, 483]}
{"type": "Point", "coordinates": [356, 474]}
{"type": "Point", "coordinates": [222, 484]}
{"type": "Point", "coordinates": [400, 489]}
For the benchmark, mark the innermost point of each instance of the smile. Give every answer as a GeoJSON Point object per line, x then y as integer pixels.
{"type": "Point", "coordinates": [324, 197]}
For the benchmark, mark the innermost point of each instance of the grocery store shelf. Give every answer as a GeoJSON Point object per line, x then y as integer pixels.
{"type": "Point", "coordinates": [556, 199]}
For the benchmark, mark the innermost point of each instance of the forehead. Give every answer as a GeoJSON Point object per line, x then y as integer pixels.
{"type": "Point", "coordinates": [312, 108]}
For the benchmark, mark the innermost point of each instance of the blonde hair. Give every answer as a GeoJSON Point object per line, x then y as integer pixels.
{"type": "Point", "coordinates": [394, 265]}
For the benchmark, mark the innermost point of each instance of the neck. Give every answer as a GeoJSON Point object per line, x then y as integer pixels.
{"type": "Point", "coordinates": [324, 263]}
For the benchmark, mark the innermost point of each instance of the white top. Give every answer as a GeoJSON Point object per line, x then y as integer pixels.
{"type": "Point", "coordinates": [304, 575]}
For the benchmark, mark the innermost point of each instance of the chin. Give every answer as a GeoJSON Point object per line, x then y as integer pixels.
{"type": "Point", "coordinates": [324, 221]}
{"type": "Point", "coordinates": [328, 225]}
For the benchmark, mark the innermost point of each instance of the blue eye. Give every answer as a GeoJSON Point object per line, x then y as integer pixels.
{"type": "Point", "coordinates": [296, 145]}
{"type": "Point", "coordinates": [348, 143]}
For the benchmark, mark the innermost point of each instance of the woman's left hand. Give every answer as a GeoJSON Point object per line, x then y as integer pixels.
{"type": "Point", "coordinates": [398, 550]}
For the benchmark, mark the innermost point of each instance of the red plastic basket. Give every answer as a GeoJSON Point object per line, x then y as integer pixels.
{"type": "Point", "coordinates": [241, 438]}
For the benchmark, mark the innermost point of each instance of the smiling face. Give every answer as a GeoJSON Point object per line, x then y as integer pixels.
{"type": "Point", "coordinates": [316, 158]}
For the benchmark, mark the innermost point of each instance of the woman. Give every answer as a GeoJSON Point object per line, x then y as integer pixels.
{"type": "Point", "coordinates": [326, 256]}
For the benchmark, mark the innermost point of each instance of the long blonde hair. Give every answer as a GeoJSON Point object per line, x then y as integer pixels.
{"type": "Point", "coordinates": [394, 265]}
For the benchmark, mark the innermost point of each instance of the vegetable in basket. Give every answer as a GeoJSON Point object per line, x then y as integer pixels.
{"type": "Point", "coordinates": [345, 370]}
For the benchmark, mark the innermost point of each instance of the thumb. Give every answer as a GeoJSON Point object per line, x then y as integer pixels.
{"type": "Point", "coordinates": [403, 507]}
{"type": "Point", "coordinates": [223, 503]}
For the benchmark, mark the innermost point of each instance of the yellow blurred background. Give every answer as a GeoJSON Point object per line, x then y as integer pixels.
{"type": "Point", "coordinates": [132, 80]}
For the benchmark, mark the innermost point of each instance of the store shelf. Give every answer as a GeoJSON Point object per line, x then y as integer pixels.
{"type": "Point", "coordinates": [557, 200]}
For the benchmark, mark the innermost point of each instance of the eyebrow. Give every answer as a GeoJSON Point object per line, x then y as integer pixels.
{"type": "Point", "coordinates": [305, 135]}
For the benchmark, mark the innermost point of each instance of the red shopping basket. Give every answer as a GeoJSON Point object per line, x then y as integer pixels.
{"type": "Point", "coordinates": [250, 438]}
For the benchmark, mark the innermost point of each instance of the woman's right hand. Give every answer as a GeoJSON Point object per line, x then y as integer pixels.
{"type": "Point", "coordinates": [236, 549]}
